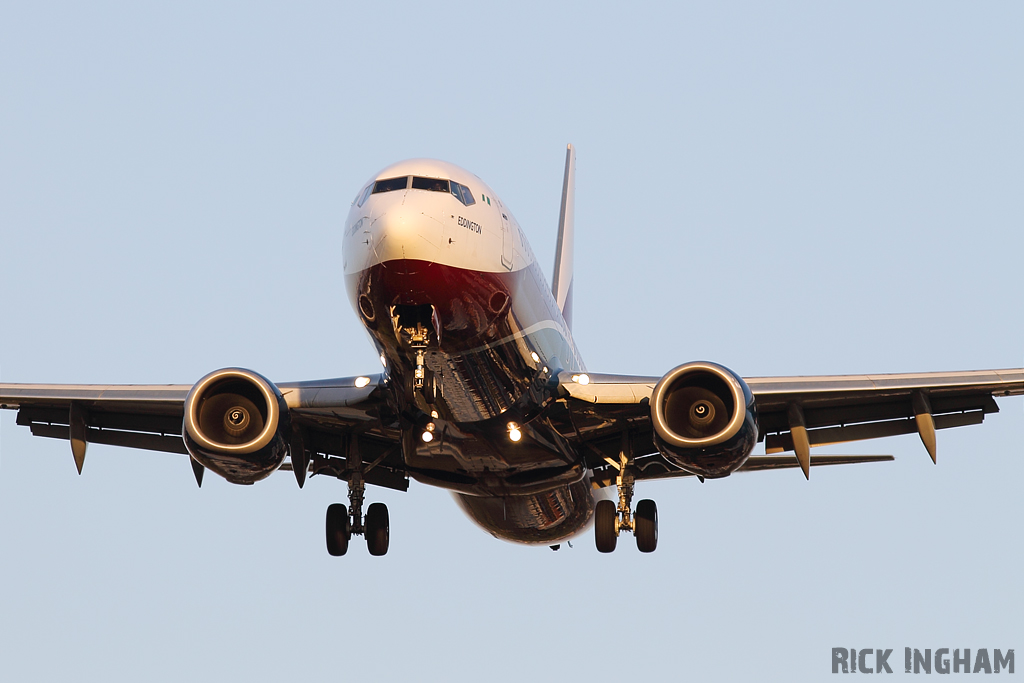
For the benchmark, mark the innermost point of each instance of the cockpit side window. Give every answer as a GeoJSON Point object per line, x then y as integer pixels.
{"type": "Point", "coordinates": [364, 195]}
{"type": "Point", "coordinates": [390, 185]}
{"type": "Point", "coordinates": [463, 194]}
{"type": "Point", "coordinates": [432, 184]}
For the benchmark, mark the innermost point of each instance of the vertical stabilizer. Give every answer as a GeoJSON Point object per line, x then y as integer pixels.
{"type": "Point", "coordinates": [561, 283]}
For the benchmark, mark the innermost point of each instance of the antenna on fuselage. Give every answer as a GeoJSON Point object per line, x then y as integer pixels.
{"type": "Point", "coordinates": [561, 282]}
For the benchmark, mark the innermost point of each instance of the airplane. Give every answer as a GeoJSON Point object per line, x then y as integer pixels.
{"type": "Point", "coordinates": [483, 392]}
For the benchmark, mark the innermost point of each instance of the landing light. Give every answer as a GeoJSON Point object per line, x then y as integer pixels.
{"type": "Point", "coordinates": [581, 379]}
{"type": "Point", "coordinates": [383, 360]}
{"type": "Point", "coordinates": [362, 381]}
{"type": "Point", "coordinates": [428, 432]}
{"type": "Point", "coordinates": [514, 434]}
{"type": "Point", "coordinates": [536, 358]}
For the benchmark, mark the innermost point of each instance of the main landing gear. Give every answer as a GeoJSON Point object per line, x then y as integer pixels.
{"type": "Point", "coordinates": [609, 520]}
{"type": "Point", "coordinates": [343, 522]}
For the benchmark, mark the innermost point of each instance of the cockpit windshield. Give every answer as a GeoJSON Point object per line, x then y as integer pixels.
{"type": "Point", "coordinates": [460, 192]}
{"type": "Point", "coordinates": [432, 184]}
{"type": "Point", "coordinates": [391, 184]}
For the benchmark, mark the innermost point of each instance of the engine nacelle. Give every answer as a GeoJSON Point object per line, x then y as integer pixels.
{"type": "Point", "coordinates": [237, 424]}
{"type": "Point", "coordinates": [704, 419]}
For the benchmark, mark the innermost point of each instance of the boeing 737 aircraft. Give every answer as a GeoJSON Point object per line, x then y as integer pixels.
{"type": "Point", "coordinates": [483, 392]}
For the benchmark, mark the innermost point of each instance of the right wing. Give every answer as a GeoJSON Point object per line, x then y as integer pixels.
{"type": "Point", "coordinates": [327, 413]}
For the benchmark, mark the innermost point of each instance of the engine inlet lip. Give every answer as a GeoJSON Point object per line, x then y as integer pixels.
{"type": "Point", "coordinates": [661, 427]}
{"type": "Point", "coordinates": [192, 416]}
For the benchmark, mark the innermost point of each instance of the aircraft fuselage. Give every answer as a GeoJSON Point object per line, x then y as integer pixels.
{"type": "Point", "coordinates": [471, 338]}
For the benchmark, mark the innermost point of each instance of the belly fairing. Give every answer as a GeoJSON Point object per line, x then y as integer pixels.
{"type": "Point", "coordinates": [539, 519]}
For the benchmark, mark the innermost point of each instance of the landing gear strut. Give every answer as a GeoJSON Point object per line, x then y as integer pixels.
{"type": "Point", "coordinates": [343, 522]}
{"type": "Point", "coordinates": [610, 520]}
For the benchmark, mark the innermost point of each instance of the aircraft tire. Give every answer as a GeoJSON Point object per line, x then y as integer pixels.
{"type": "Point", "coordinates": [605, 515]}
{"type": "Point", "coordinates": [646, 521]}
{"type": "Point", "coordinates": [378, 531]}
{"type": "Point", "coordinates": [339, 530]}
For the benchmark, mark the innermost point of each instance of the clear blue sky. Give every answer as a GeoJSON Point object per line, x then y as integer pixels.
{"type": "Point", "coordinates": [837, 187]}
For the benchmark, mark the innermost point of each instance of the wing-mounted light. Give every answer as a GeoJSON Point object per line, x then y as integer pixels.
{"type": "Point", "coordinates": [704, 419]}
{"type": "Point", "coordinates": [237, 424]}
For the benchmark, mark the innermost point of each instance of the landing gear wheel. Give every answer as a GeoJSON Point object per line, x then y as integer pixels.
{"type": "Point", "coordinates": [378, 533]}
{"type": "Point", "coordinates": [605, 516]}
{"type": "Point", "coordinates": [339, 531]}
{"type": "Point", "coordinates": [646, 521]}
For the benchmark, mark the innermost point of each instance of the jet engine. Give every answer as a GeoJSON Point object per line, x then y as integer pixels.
{"type": "Point", "coordinates": [237, 424]}
{"type": "Point", "coordinates": [704, 419]}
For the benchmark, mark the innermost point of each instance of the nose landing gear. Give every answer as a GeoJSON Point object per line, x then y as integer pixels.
{"type": "Point", "coordinates": [415, 326]}
{"type": "Point", "coordinates": [610, 520]}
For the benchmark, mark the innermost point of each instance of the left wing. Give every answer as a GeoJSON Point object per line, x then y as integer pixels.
{"type": "Point", "coordinates": [649, 468]}
{"type": "Point", "coordinates": [610, 414]}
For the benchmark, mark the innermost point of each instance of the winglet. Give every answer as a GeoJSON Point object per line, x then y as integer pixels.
{"type": "Point", "coordinates": [561, 283]}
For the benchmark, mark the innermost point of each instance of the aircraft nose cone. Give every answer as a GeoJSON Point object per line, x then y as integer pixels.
{"type": "Point", "coordinates": [407, 233]}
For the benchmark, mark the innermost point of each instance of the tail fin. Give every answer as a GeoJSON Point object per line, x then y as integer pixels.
{"type": "Point", "coordinates": [561, 283]}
